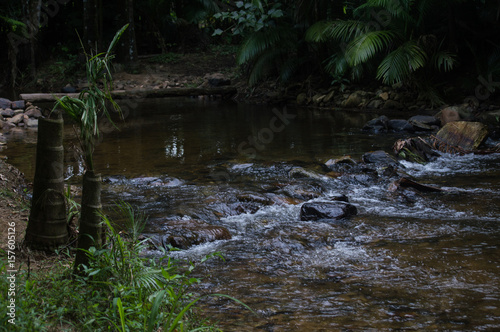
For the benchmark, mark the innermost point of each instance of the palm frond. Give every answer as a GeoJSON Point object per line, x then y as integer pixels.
{"type": "Point", "coordinates": [397, 9]}
{"type": "Point", "coordinates": [340, 30]}
{"type": "Point", "coordinates": [443, 60]}
{"type": "Point", "coordinates": [259, 41]}
{"type": "Point", "coordinates": [264, 64]}
{"type": "Point", "coordinates": [398, 65]}
{"type": "Point", "coordinates": [336, 65]}
{"type": "Point", "coordinates": [364, 47]}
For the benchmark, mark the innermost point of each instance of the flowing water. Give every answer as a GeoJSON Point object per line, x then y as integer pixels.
{"type": "Point", "coordinates": [416, 261]}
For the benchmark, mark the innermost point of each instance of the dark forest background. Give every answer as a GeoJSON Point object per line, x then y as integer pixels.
{"type": "Point", "coordinates": [423, 44]}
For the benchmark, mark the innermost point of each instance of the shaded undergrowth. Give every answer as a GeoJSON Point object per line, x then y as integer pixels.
{"type": "Point", "coordinates": [120, 289]}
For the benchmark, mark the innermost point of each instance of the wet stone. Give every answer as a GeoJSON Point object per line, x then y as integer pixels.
{"type": "Point", "coordinates": [187, 233]}
{"type": "Point", "coordinates": [323, 211]}
{"type": "Point", "coordinates": [400, 125]}
{"type": "Point", "coordinates": [377, 125]}
{"type": "Point", "coordinates": [380, 157]}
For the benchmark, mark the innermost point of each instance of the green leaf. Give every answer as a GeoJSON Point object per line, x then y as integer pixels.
{"type": "Point", "coordinates": [365, 46]}
{"type": "Point", "coordinates": [398, 65]}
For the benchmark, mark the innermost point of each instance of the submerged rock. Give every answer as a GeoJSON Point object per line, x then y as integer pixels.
{"type": "Point", "coordinates": [186, 233]}
{"type": "Point", "coordinates": [400, 125]}
{"type": "Point", "coordinates": [380, 157]}
{"type": "Point", "coordinates": [336, 210]}
{"type": "Point", "coordinates": [377, 125]}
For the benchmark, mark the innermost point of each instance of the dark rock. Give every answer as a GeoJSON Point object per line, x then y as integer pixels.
{"type": "Point", "coordinates": [253, 198]}
{"type": "Point", "coordinates": [7, 113]}
{"type": "Point", "coordinates": [303, 192]}
{"type": "Point", "coordinates": [68, 89]}
{"type": "Point", "coordinates": [376, 126]}
{"type": "Point", "coordinates": [375, 104]}
{"type": "Point", "coordinates": [399, 125]}
{"type": "Point", "coordinates": [314, 211]}
{"type": "Point", "coordinates": [392, 104]}
{"type": "Point", "coordinates": [380, 157]}
{"type": "Point", "coordinates": [217, 79]}
{"type": "Point", "coordinates": [409, 183]}
{"type": "Point", "coordinates": [342, 160]}
{"type": "Point", "coordinates": [428, 120]}
{"type": "Point", "coordinates": [18, 104]}
{"type": "Point", "coordinates": [354, 100]}
{"type": "Point", "coordinates": [7, 126]}
{"type": "Point", "coordinates": [5, 103]}
{"type": "Point", "coordinates": [302, 99]}
{"type": "Point", "coordinates": [33, 112]}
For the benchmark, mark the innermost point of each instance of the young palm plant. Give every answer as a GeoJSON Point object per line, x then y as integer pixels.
{"type": "Point", "coordinates": [85, 111]}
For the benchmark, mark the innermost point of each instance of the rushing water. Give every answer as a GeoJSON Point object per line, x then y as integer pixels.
{"type": "Point", "coordinates": [418, 261]}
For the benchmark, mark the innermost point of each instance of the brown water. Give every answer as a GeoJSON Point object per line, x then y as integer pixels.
{"type": "Point", "coordinates": [418, 262]}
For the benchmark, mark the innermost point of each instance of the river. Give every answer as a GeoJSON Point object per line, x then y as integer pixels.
{"type": "Point", "coordinates": [417, 261]}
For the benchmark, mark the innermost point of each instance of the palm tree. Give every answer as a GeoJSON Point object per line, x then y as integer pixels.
{"type": "Point", "coordinates": [393, 35]}
{"type": "Point", "coordinates": [85, 111]}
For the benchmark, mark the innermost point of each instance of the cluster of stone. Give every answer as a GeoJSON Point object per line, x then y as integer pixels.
{"type": "Point", "coordinates": [18, 114]}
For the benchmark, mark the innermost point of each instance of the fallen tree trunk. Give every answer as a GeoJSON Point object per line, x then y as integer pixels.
{"type": "Point", "coordinates": [225, 91]}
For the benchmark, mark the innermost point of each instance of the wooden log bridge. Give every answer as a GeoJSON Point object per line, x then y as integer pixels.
{"type": "Point", "coordinates": [224, 91]}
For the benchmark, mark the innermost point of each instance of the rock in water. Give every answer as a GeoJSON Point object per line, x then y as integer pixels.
{"type": "Point", "coordinates": [336, 210]}
{"type": "Point", "coordinates": [460, 136]}
{"type": "Point", "coordinates": [187, 233]}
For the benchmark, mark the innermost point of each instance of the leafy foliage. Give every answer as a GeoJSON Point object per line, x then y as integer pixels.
{"type": "Point", "coordinates": [389, 34]}
{"type": "Point", "coordinates": [120, 290]}
{"type": "Point", "coordinates": [92, 103]}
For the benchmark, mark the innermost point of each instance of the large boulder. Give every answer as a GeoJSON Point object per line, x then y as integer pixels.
{"type": "Point", "coordinates": [460, 136]}
{"type": "Point", "coordinates": [326, 211]}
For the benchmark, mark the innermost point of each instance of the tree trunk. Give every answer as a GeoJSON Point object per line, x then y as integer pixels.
{"type": "Point", "coordinates": [90, 232]}
{"type": "Point", "coordinates": [47, 225]}
{"type": "Point", "coordinates": [127, 51]}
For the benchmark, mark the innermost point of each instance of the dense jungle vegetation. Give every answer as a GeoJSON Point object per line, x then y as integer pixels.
{"type": "Point", "coordinates": [423, 44]}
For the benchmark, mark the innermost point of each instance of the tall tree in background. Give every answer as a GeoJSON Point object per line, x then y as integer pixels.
{"type": "Point", "coordinates": [128, 42]}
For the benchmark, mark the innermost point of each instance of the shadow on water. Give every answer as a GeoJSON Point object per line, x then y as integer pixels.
{"type": "Point", "coordinates": [425, 261]}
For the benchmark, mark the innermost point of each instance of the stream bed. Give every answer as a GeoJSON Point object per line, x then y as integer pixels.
{"type": "Point", "coordinates": [417, 261]}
